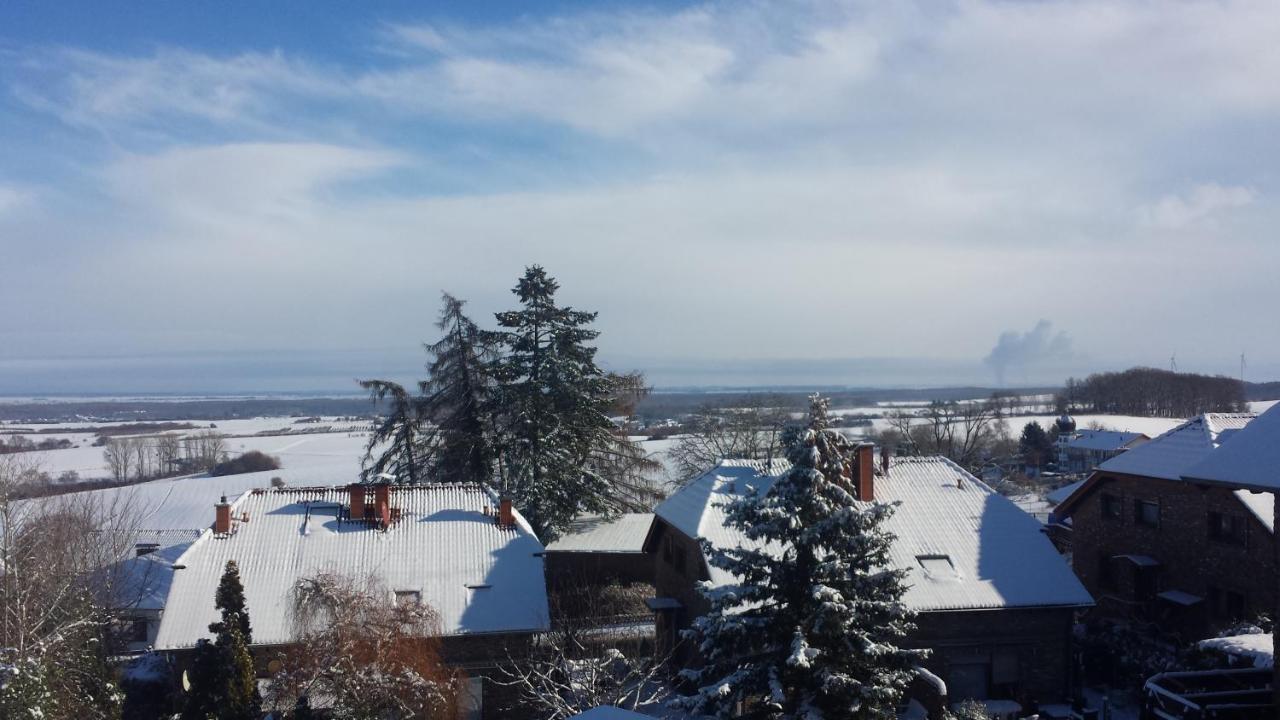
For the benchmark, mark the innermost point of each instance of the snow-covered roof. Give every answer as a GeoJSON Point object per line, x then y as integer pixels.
{"type": "Point", "coordinates": [1104, 440]}
{"type": "Point", "coordinates": [599, 534]}
{"type": "Point", "coordinates": [964, 545]}
{"type": "Point", "coordinates": [479, 577]}
{"type": "Point", "coordinates": [1206, 445]}
{"type": "Point", "coordinates": [1258, 647]}
{"type": "Point", "coordinates": [1170, 455]}
{"type": "Point", "coordinates": [1057, 496]}
{"type": "Point", "coordinates": [1251, 459]}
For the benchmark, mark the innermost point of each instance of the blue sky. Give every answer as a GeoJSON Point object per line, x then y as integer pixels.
{"type": "Point", "coordinates": [250, 196]}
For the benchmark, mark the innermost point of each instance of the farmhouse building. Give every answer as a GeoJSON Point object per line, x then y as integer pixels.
{"type": "Point", "coordinates": [1152, 544]}
{"type": "Point", "coordinates": [1084, 450]}
{"type": "Point", "coordinates": [455, 547]}
{"type": "Point", "coordinates": [996, 602]}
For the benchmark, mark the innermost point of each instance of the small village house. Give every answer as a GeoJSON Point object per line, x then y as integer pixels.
{"type": "Point", "coordinates": [454, 547]}
{"type": "Point", "coordinates": [1153, 545]}
{"type": "Point", "coordinates": [996, 602]}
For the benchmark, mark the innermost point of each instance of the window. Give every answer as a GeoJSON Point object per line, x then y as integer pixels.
{"type": "Point", "coordinates": [145, 549]}
{"type": "Point", "coordinates": [679, 558]}
{"type": "Point", "coordinates": [1106, 576]}
{"type": "Point", "coordinates": [1226, 528]}
{"type": "Point", "coordinates": [1227, 604]}
{"type": "Point", "coordinates": [938, 567]}
{"type": "Point", "coordinates": [1146, 512]}
{"type": "Point", "coordinates": [1144, 582]}
{"type": "Point", "coordinates": [138, 630]}
{"type": "Point", "coordinates": [1110, 506]}
{"type": "Point", "coordinates": [408, 597]}
{"type": "Point", "coordinates": [666, 550]}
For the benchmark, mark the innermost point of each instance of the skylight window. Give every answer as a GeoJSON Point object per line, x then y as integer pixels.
{"type": "Point", "coordinates": [938, 567]}
{"type": "Point", "coordinates": [408, 597]}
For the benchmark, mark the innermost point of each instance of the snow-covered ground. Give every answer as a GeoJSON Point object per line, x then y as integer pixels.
{"type": "Point", "coordinates": [297, 450]}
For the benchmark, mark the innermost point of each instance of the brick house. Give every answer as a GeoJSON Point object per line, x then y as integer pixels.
{"type": "Point", "coordinates": [996, 602]}
{"type": "Point", "coordinates": [453, 547]}
{"type": "Point", "coordinates": [1152, 544]}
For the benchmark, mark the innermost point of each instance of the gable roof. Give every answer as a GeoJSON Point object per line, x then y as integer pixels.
{"type": "Point", "coordinates": [1170, 454]}
{"type": "Point", "coordinates": [600, 534]}
{"type": "Point", "coordinates": [964, 545]}
{"type": "Point", "coordinates": [1104, 440]}
{"type": "Point", "coordinates": [1250, 460]}
{"type": "Point", "coordinates": [479, 577]}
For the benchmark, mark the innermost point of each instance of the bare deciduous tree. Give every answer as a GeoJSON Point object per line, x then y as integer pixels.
{"type": "Point", "coordinates": [588, 659]}
{"type": "Point", "coordinates": [961, 431]}
{"type": "Point", "coordinates": [366, 651]}
{"type": "Point", "coordinates": [752, 431]}
{"type": "Point", "coordinates": [61, 581]}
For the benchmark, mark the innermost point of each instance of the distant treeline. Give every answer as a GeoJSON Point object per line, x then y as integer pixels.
{"type": "Point", "coordinates": [1154, 393]}
{"type": "Point", "coordinates": [667, 404]}
{"type": "Point", "coordinates": [1262, 391]}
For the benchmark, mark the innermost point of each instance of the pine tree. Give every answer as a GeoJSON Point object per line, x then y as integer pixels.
{"type": "Point", "coordinates": [553, 399]}
{"type": "Point", "coordinates": [457, 398]}
{"type": "Point", "coordinates": [402, 431]}
{"type": "Point", "coordinates": [1034, 444]}
{"type": "Point", "coordinates": [229, 600]}
{"type": "Point", "coordinates": [222, 676]}
{"type": "Point", "coordinates": [810, 629]}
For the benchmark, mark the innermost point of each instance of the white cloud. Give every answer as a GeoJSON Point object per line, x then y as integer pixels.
{"type": "Point", "coordinates": [696, 175]}
{"type": "Point", "coordinates": [1174, 212]}
{"type": "Point", "coordinates": [14, 198]}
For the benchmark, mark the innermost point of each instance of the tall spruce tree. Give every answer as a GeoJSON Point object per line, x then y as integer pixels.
{"type": "Point", "coordinates": [222, 676]}
{"type": "Point", "coordinates": [401, 434]}
{"type": "Point", "coordinates": [457, 398]}
{"type": "Point", "coordinates": [810, 628]}
{"type": "Point", "coordinates": [553, 400]}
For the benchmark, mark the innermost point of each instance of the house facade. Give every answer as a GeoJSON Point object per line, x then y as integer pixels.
{"type": "Point", "coordinates": [1082, 451]}
{"type": "Point", "coordinates": [1153, 545]}
{"type": "Point", "coordinates": [995, 601]}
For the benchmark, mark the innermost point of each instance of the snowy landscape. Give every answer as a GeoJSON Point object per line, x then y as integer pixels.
{"type": "Point", "coordinates": [639, 359]}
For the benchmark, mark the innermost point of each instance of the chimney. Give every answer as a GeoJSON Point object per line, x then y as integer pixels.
{"type": "Point", "coordinates": [357, 501]}
{"type": "Point", "coordinates": [222, 517]}
{"type": "Point", "coordinates": [866, 473]}
{"type": "Point", "coordinates": [382, 504]}
{"type": "Point", "coordinates": [884, 460]}
{"type": "Point", "coordinates": [506, 517]}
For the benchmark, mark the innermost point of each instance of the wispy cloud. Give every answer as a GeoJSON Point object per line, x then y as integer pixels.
{"type": "Point", "coordinates": [1174, 212]}
{"type": "Point", "coordinates": [695, 174]}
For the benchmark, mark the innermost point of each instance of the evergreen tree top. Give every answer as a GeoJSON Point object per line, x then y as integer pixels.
{"type": "Point", "coordinates": [810, 629]}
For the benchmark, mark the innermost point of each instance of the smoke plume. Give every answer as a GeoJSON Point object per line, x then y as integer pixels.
{"type": "Point", "coordinates": [1025, 350]}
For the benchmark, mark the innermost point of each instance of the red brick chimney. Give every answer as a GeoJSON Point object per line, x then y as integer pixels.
{"type": "Point", "coordinates": [506, 517]}
{"type": "Point", "coordinates": [222, 517]}
{"type": "Point", "coordinates": [357, 501]}
{"type": "Point", "coordinates": [866, 465]}
{"type": "Point", "coordinates": [884, 460]}
{"type": "Point", "coordinates": [382, 504]}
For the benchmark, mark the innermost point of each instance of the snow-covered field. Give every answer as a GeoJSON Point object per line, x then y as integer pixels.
{"type": "Point", "coordinates": [296, 451]}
